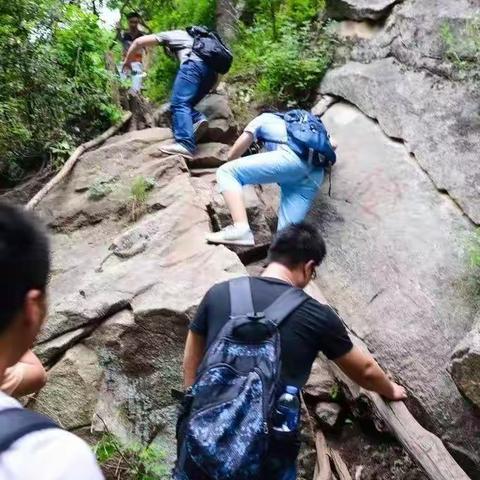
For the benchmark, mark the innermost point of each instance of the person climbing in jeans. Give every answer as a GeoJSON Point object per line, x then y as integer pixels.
{"type": "Point", "coordinates": [194, 81]}
{"type": "Point", "coordinates": [298, 179]}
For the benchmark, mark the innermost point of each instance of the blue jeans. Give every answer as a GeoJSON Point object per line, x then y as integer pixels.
{"type": "Point", "coordinates": [298, 181]}
{"type": "Point", "coordinates": [194, 80]}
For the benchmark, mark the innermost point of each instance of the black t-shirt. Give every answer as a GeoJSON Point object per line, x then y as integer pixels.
{"type": "Point", "coordinates": [313, 327]}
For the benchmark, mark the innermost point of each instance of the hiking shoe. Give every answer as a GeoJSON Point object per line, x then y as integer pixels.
{"type": "Point", "coordinates": [232, 235]}
{"type": "Point", "coordinates": [176, 149]}
{"type": "Point", "coordinates": [200, 129]}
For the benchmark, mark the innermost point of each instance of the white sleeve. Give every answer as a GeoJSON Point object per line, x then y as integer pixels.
{"type": "Point", "coordinates": [254, 125]}
{"type": "Point", "coordinates": [76, 462]}
{"type": "Point", "coordinates": [52, 455]}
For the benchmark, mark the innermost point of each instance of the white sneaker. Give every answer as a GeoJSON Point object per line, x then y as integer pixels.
{"type": "Point", "coordinates": [176, 149]}
{"type": "Point", "coordinates": [232, 235]}
{"type": "Point", "coordinates": [200, 129]}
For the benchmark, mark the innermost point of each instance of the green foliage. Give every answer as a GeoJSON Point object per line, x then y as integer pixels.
{"type": "Point", "coordinates": [280, 56]}
{"type": "Point", "coordinates": [54, 90]}
{"type": "Point", "coordinates": [140, 189]}
{"type": "Point", "coordinates": [100, 189]}
{"type": "Point", "coordinates": [335, 392]}
{"type": "Point", "coordinates": [462, 48]}
{"type": "Point", "coordinates": [284, 53]}
{"type": "Point", "coordinates": [139, 192]}
{"type": "Point", "coordinates": [130, 462]}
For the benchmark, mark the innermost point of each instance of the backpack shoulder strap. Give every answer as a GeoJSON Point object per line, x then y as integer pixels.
{"type": "Point", "coordinates": [284, 305]}
{"type": "Point", "coordinates": [15, 423]}
{"type": "Point", "coordinates": [241, 302]}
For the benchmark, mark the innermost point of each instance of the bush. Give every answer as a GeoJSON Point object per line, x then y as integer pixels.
{"type": "Point", "coordinates": [462, 48]}
{"type": "Point", "coordinates": [130, 462]}
{"type": "Point", "coordinates": [54, 90]}
{"type": "Point", "coordinates": [286, 64]}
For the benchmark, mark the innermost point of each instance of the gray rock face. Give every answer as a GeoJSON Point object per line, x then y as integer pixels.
{"type": "Point", "coordinates": [71, 394]}
{"type": "Point", "coordinates": [439, 121]}
{"type": "Point", "coordinates": [222, 126]}
{"type": "Point", "coordinates": [128, 274]}
{"type": "Point", "coordinates": [465, 365]}
{"type": "Point", "coordinates": [327, 414]}
{"type": "Point", "coordinates": [413, 34]}
{"type": "Point", "coordinates": [358, 9]}
{"type": "Point", "coordinates": [401, 78]}
{"type": "Point", "coordinates": [321, 385]}
{"type": "Point", "coordinates": [396, 271]}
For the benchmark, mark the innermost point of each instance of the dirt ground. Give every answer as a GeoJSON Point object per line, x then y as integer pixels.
{"type": "Point", "coordinates": [373, 456]}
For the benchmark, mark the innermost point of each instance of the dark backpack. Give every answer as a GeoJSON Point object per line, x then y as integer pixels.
{"type": "Point", "coordinates": [208, 45]}
{"type": "Point", "coordinates": [15, 423]}
{"type": "Point", "coordinates": [226, 431]}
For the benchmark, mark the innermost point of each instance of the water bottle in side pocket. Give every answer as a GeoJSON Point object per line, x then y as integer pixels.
{"type": "Point", "coordinates": [286, 417]}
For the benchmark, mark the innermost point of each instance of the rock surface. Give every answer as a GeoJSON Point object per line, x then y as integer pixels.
{"type": "Point", "coordinates": [439, 121]}
{"type": "Point", "coordinates": [359, 9]}
{"type": "Point", "coordinates": [465, 365]}
{"type": "Point", "coordinates": [396, 271]}
{"type": "Point", "coordinates": [399, 78]}
{"type": "Point", "coordinates": [327, 414]}
{"type": "Point", "coordinates": [401, 214]}
{"type": "Point", "coordinates": [128, 274]}
{"type": "Point", "coordinates": [321, 384]}
{"type": "Point", "coordinates": [222, 126]}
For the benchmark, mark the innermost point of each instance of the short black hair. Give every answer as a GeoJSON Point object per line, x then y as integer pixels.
{"type": "Point", "coordinates": [24, 260]}
{"type": "Point", "coordinates": [296, 244]}
{"type": "Point", "coordinates": [133, 15]}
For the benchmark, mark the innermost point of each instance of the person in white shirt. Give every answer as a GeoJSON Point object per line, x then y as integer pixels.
{"type": "Point", "coordinates": [299, 180]}
{"type": "Point", "coordinates": [48, 453]}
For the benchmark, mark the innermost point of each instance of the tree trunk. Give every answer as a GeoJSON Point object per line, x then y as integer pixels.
{"type": "Point", "coordinates": [227, 19]}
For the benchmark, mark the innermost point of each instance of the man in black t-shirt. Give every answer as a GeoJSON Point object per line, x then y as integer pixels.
{"type": "Point", "coordinates": [293, 257]}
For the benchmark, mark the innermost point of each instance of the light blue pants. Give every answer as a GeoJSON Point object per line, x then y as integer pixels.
{"type": "Point", "coordinates": [298, 181]}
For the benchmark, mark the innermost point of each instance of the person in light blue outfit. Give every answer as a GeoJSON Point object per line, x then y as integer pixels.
{"type": "Point", "coordinates": [299, 181]}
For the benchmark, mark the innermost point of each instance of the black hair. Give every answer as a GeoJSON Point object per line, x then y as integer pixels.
{"type": "Point", "coordinates": [133, 15]}
{"type": "Point", "coordinates": [24, 260]}
{"type": "Point", "coordinates": [296, 244]}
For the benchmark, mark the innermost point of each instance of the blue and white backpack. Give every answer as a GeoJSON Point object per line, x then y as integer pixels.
{"type": "Point", "coordinates": [226, 432]}
{"type": "Point", "coordinates": [308, 138]}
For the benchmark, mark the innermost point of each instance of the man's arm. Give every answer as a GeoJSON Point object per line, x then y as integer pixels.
{"type": "Point", "coordinates": [139, 44]}
{"type": "Point", "coordinates": [361, 367]}
{"type": "Point", "coordinates": [193, 356]}
{"type": "Point", "coordinates": [25, 377]}
{"type": "Point", "coordinates": [240, 146]}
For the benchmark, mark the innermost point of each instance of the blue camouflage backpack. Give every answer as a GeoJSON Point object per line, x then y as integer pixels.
{"type": "Point", "coordinates": [308, 138]}
{"type": "Point", "coordinates": [226, 431]}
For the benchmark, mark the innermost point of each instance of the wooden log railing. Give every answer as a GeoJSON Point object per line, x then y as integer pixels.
{"type": "Point", "coordinates": [426, 449]}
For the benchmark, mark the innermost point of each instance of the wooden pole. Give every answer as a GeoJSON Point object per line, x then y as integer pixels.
{"type": "Point", "coordinates": [427, 450]}
{"type": "Point", "coordinates": [70, 163]}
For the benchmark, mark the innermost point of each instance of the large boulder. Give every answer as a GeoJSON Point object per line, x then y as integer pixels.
{"type": "Point", "coordinates": [128, 273]}
{"type": "Point", "coordinates": [396, 271]}
{"type": "Point", "coordinates": [222, 126]}
{"type": "Point", "coordinates": [221, 122]}
{"type": "Point", "coordinates": [465, 365]}
{"type": "Point", "coordinates": [438, 120]}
